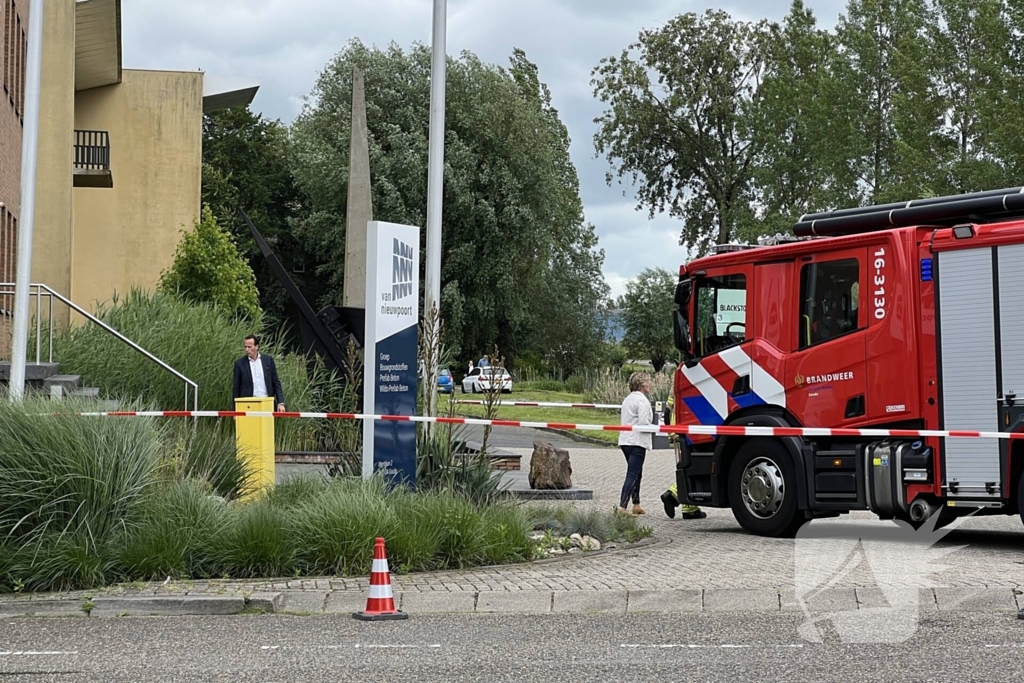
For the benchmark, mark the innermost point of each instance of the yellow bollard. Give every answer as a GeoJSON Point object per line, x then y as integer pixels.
{"type": "Point", "coordinates": [254, 439]}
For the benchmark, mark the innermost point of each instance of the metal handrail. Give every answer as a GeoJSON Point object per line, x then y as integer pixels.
{"type": "Point", "coordinates": [41, 290]}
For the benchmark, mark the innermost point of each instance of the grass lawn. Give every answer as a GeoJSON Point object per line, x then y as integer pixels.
{"type": "Point", "coordinates": [541, 414]}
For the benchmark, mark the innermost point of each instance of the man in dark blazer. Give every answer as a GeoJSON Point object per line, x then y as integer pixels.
{"type": "Point", "coordinates": [256, 375]}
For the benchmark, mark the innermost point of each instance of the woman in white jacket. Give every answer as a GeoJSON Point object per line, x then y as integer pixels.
{"type": "Point", "coordinates": [636, 410]}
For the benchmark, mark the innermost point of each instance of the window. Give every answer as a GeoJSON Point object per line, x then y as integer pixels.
{"type": "Point", "coordinates": [19, 67]}
{"type": "Point", "coordinates": [721, 313]}
{"type": "Point", "coordinates": [6, 56]}
{"type": "Point", "coordinates": [24, 70]}
{"type": "Point", "coordinates": [830, 296]}
{"type": "Point", "coordinates": [8, 255]}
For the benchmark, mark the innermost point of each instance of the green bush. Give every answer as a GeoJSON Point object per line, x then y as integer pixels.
{"type": "Point", "coordinates": [209, 268]}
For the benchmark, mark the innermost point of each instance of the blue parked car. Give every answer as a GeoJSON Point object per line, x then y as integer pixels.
{"type": "Point", "coordinates": [445, 382]}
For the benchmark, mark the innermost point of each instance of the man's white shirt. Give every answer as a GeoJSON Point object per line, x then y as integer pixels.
{"type": "Point", "coordinates": [259, 383]}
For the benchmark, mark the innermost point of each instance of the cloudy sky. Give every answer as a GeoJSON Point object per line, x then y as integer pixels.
{"type": "Point", "coordinates": [286, 43]}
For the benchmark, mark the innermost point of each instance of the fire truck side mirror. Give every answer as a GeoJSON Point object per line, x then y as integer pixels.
{"type": "Point", "coordinates": [681, 331]}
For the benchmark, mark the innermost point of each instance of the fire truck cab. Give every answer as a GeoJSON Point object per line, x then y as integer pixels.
{"type": "Point", "coordinates": [899, 317]}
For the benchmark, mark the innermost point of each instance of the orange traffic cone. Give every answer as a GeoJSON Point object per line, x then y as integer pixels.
{"type": "Point", "coordinates": [380, 605]}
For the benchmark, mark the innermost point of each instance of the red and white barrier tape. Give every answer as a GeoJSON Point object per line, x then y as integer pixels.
{"type": "Point", "coordinates": [703, 430]}
{"type": "Point", "coordinates": [543, 404]}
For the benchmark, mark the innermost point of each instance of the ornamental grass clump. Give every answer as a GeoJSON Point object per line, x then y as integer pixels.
{"type": "Point", "coordinates": [69, 488]}
{"type": "Point", "coordinates": [90, 501]}
{"type": "Point", "coordinates": [177, 534]}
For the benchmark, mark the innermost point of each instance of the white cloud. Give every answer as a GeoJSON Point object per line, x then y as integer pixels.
{"type": "Point", "coordinates": [286, 43]}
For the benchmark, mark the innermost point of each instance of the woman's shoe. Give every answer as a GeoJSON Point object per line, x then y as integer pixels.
{"type": "Point", "coordinates": [623, 511]}
{"type": "Point", "coordinates": [637, 510]}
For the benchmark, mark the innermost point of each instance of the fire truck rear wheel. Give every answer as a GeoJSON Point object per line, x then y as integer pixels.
{"type": "Point", "coordinates": [762, 489]}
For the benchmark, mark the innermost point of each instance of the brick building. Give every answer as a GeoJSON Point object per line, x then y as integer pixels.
{"type": "Point", "coordinates": [14, 21]}
{"type": "Point", "coordinates": [119, 162]}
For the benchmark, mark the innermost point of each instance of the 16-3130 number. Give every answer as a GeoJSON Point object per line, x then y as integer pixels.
{"type": "Point", "coordinates": [880, 284]}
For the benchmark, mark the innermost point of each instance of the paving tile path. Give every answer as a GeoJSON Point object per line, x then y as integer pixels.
{"type": "Point", "coordinates": [711, 564]}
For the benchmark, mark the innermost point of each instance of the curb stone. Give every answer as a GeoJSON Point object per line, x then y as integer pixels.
{"type": "Point", "coordinates": [195, 605]}
{"type": "Point", "coordinates": [676, 601]}
{"type": "Point", "coordinates": [43, 608]}
{"type": "Point", "coordinates": [265, 602]}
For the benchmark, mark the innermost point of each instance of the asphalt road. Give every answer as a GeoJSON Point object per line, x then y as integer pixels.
{"type": "Point", "coordinates": [520, 437]}
{"type": "Point", "coordinates": [723, 647]}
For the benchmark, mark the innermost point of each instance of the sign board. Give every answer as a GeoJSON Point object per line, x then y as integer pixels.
{"type": "Point", "coordinates": [730, 307]}
{"type": "Point", "coordinates": [391, 349]}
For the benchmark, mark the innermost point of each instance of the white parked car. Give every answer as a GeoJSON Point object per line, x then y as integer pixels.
{"type": "Point", "coordinates": [479, 380]}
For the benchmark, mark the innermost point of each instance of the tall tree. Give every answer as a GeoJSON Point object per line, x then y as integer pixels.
{"type": "Point", "coordinates": [802, 164]}
{"type": "Point", "coordinates": [247, 165]}
{"type": "Point", "coordinates": [970, 58]}
{"type": "Point", "coordinates": [674, 120]}
{"type": "Point", "coordinates": [513, 221]}
{"type": "Point", "coordinates": [1004, 130]}
{"type": "Point", "coordinates": [892, 110]}
{"type": "Point", "coordinates": [647, 316]}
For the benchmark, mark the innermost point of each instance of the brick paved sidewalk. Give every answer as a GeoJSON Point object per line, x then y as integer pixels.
{"type": "Point", "coordinates": [695, 564]}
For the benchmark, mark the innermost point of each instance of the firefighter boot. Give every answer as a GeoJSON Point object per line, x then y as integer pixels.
{"type": "Point", "coordinates": [670, 502]}
{"type": "Point", "coordinates": [689, 511]}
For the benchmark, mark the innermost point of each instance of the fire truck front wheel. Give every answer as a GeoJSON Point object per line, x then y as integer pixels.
{"type": "Point", "coordinates": [762, 489]}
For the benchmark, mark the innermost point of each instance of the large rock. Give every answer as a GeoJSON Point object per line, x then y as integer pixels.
{"type": "Point", "coordinates": [550, 467]}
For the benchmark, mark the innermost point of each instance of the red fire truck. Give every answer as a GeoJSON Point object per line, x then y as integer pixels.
{"type": "Point", "coordinates": [906, 316]}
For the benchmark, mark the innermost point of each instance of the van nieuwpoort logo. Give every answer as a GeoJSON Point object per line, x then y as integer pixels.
{"type": "Point", "coordinates": [893, 556]}
{"type": "Point", "coordinates": [401, 272]}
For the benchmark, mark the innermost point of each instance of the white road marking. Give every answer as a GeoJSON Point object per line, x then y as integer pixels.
{"type": "Point", "coordinates": [37, 653]}
{"type": "Point", "coordinates": [694, 646]}
{"type": "Point", "coordinates": [397, 646]}
{"type": "Point", "coordinates": [368, 646]}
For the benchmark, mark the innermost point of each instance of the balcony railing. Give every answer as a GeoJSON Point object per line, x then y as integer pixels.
{"type": "Point", "coordinates": [92, 159]}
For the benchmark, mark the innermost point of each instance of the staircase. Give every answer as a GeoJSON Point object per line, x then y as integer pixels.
{"type": "Point", "coordinates": [44, 379]}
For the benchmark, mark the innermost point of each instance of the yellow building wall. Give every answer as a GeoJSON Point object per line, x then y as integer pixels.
{"type": "Point", "coordinates": [125, 236]}
{"type": "Point", "coordinates": [51, 243]}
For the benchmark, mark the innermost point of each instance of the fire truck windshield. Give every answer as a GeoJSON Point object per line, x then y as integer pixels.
{"type": "Point", "coordinates": [720, 313]}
